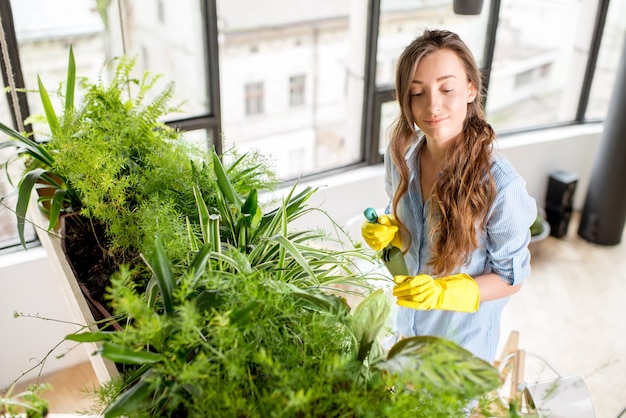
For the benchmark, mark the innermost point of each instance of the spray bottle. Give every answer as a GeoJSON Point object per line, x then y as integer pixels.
{"type": "Point", "coordinates": [392, 256]}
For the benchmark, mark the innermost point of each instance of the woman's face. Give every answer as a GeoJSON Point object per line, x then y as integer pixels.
{"type": "Point", "coordinates": [440, 92]}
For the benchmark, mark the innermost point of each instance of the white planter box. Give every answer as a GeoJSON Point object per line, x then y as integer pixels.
{"type": "Point", "coordinates": [66, 282]}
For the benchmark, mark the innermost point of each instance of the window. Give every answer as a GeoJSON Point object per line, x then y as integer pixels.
{"type": "Point", "coordinates": [167, 39]}
{"type": "Point", "coordinates": [399, 24]}
{"type": "Point", "coordinates": [608, 60]}
{"type": "Point", "coordinates": [538, 69]}
{"type": "Point", "coordinates": [296, 90]}
{"type": "Point", "coordinates": [338, 105]}
{"type": "Point", "coordinates": [160, 11]}
{"type": "Point", "coordinates": [254, 98]}
{"type": "Point", "coordinates": [312, 44]}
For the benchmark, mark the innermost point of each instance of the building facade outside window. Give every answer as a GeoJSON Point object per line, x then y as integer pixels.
{"type": "Point", "coordinates": [254, 97]}
{"type": "Point", "coordinates": [296, 90]}
{"type": "Point", "coordinates": [302, 68]}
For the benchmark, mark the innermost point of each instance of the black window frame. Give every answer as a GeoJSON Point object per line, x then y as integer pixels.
{"type": "Point", "coordinates": [374, 96]}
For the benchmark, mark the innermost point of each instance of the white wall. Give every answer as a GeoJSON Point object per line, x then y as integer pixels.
{"type": "Point", "coordinates": [537, 154]}
{"type": "Point", "coordinates": [534, 155]}
{"type": "Point", "coordinates": [26, 286]}
{"type": "Point", "coordinates": [24, 276]}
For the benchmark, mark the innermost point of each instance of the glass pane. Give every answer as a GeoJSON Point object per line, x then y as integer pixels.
{"type": "Point", "coordinates": [608, 60]}
{"type": "Point", "coordinates": [199, 138]}
{"type": "Point", "coordinates": [292, 81]}
{"type": "Point", "coordinates": [403, 20]}
{"type": "Point", "coordinates": [165, 38]}
{"type": "Point", "coordinates": [8, 179]}
{"type": "Point", "coordinates": [388, 113]}
{"type": "Point", "coordinates": [538, 68]}
{"type": "Point", "coordinates": [400, 22]}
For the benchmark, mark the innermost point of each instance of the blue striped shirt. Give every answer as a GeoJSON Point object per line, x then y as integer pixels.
{"type": "Point", "coordinates": [502, 249]}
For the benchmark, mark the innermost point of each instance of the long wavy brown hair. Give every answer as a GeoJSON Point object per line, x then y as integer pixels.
{"type": "Point", "coordinates": [465, 188]}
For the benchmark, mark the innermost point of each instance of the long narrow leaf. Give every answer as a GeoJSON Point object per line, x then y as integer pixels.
{"type": "Point", "coordinates": [71, 82]}
{"type": "Point", "coordinates": [56, 204]}
{"type": "Point", "coordinates": [25, 190]}
{"type": "Point", "coordinates": [51, 116]}
{"type": "Point", "coordinates": [203, 214]}
{"type": "Point", "coordinates": [32, 148]}
{"type": "Point", "coordinates": [126, 355]}
{"type": "Point", "coordinates": [199, 263]}
{"type": "Point", "coordinates": [194, 242]}
{"type": "Point", "coordinates": [293, 251]}
{"type": "Point", "coordinates": [90, 336]}
{"type": "Point", "coordinates": [163, 272]}
{"type": "Point", "coordinates": [224, 183]}
{"type": "Point", "coordinates": [214, 233]}
{"type": "Point", "coordinates": [129, 401]}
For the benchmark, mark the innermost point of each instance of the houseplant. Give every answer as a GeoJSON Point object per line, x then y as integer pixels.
{"type": "Point", "coordinates": [254, 329]}
{"type": "Point", "coordinates": [119, 170]}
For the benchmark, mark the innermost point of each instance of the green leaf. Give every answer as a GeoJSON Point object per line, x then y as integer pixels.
{"type": "Point", "coordinates": [203, 215]}
{"type": "Point", "coordinates": [25, 190]}
{"type": "Point", "coordinates": [318, 301]}
{"type": "Point", "coordinates": [443, 364]}
{"type": "Point", "coordinates": [245, 314]}
{"type": "Point", "coordinates": [90, 337]}
{"type": "Point", "coordinates": [251, 204]}
{"type": "Point", "coordinates": [297, 256]}
{"type": "Point", "coordinates": [224, 183]}
{"type": "Point", "coordinates": [129, 401]}
{"type": "Point", "coordinates": [32, 148]}
{"type": "Point", "coordinates": [56, 204]}
{"type": "Point", "coordinates": [214, 233]}
{"type": "Point", "coordinates": [71, 82]}
{"type": "Point", "coordinates": [208, 299]}
{"type": "Point", "coordinates": [199, 263]}
{"type": "Point", "coordinates": [51, 116]}
{"type": "Point", "coordinates": [163, 272]}
{"type": "Point", "coordinates": [126, 355]}
{"type": "Point", "coordinates": [368, 318]}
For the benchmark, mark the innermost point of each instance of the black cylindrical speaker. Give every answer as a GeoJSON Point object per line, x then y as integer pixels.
{"type": "Point", "coordinates": [603, 216]}
{"type": "Point", "coordinates": [560, 201]}
{"type": "Point", "coordinates": [467, 7]}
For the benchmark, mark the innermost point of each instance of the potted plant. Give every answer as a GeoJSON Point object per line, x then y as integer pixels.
{"type": "Point", "coordinates": [252, 327]}
{"type": "Point", "coordinates": [112, 174]}
{"type": "Point", "coordinates": [120, 172]}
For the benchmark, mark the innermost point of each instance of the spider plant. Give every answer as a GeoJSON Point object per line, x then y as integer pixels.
{"type": "Point", "coordinates": [40, 161]}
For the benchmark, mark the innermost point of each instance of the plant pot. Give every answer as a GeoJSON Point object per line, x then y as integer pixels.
{"type": "Point", "coordinates": [65, 279]}
{"type": "Point", "coordinates": [81, 244]}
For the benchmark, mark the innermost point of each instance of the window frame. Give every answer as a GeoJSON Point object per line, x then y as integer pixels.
{"type": "Point", "coordinates": [374, 97]}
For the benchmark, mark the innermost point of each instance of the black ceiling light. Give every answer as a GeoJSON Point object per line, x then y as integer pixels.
{"type": "Point", "coordinates": [467, 7]}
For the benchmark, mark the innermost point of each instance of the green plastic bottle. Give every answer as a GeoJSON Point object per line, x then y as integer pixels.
{"type": "Point", "coordinates": [392, 256]}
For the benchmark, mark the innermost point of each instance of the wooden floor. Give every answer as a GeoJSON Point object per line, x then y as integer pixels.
{"type": "Point", "coordinates": [571, 312]}
{"type": "Point", "coordinates": [69, 389]}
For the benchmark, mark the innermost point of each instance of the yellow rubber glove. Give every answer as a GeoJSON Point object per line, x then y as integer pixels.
{"type": "Point", "coordinates": [458, 292]}
{"type": "Point", "coordinates": [382, 233]}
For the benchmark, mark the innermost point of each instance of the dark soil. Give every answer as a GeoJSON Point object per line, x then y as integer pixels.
{"type": "Point", "coordinates": [85, 247]}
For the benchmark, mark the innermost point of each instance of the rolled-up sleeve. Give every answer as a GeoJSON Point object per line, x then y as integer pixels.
{"type": "Point", "coordinates": [508, 229]}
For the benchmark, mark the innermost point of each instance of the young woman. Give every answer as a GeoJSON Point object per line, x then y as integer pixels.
{"type": "Point", "coordinates": [458, 209]}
